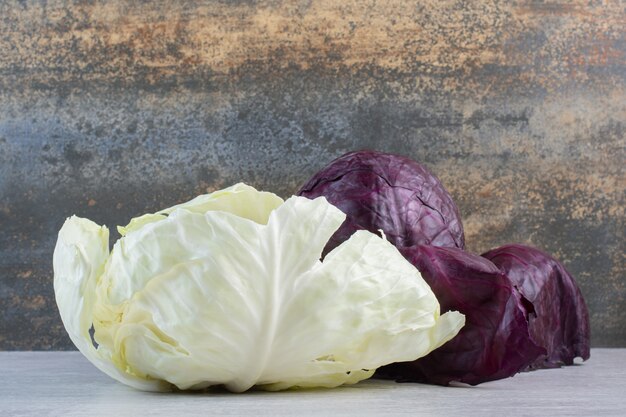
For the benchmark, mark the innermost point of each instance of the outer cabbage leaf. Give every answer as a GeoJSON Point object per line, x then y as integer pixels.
{"type": "Point", "coordinates": [560, 321]}
{"type": "Point", "coordinates": [79, 256]}
{"type": "Point", "coordinates": [495, 342]}
{"type": "Point", "coordinates": [381, 191]}
{"type": "Point", "coordinates": [196, 299]}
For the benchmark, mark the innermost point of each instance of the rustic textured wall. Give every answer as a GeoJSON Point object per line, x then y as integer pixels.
{"type": "Point", "coordinates": [110, 109]}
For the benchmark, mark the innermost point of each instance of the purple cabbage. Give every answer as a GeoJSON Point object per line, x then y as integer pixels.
{"type": "Point", "coordinates": [381, 191]}
{"type": "Point", "coordinates": [523, 310]}
{"type": "Point", "coordinates": [494, 343]}
{"type": "Point", "coordinates": [560, 322]}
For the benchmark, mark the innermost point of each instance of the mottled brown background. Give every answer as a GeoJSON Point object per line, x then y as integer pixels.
{"type": "Point", "coordinates": [110, 109]}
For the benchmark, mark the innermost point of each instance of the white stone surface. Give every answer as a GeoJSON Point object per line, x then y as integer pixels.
{"type": "Point", "coordinates": [65, 384]}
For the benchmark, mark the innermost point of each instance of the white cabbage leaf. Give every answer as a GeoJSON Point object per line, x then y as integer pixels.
{"type": "Point", "coordinates": [228, 289]}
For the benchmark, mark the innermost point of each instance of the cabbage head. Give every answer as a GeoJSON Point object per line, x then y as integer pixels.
{"type": "Point", "coordinates": [228, 289]}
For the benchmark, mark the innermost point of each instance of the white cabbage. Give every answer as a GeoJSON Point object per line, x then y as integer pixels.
{"type": "Point", "coordinates": [228, 289]}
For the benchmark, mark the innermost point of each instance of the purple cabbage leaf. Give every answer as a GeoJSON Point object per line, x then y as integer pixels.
{"type": "Point", "coordinates": [494, 343]}
{"type": "Point", "coordinates": [392, 193]}
{"type": "Point", "coordinates": [560, 322]}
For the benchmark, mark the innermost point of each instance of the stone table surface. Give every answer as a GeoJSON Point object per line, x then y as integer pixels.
{"type": "Point", "coordinates": [65, 384]}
